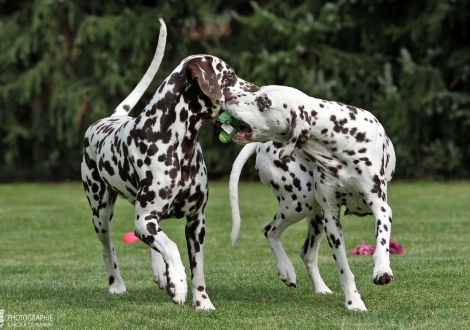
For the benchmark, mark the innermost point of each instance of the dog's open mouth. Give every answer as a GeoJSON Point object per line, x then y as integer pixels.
{"type": "Point", "coordinates": [244, 134]}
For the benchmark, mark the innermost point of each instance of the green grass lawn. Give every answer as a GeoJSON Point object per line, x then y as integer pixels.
{"type": "Point", "coordinates": [51, 264]}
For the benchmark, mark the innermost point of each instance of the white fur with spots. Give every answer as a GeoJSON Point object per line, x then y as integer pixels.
{"type": "Point", "coordinates": [351, 158]}
{"type": "Point", "coordinates": [155, 162]}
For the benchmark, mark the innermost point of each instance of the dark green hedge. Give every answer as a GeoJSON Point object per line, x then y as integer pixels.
{"type": "Point", "coordinates": [65, 64]}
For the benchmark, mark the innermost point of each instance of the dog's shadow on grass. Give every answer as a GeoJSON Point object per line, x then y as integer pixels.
{"type": "Point", "coordinates": [146, 293]}
{"type": "Point", "coordinates": [78, 296]}
{"type": "Point", "coordinates": [271, 293]}
{"type": "Point", "coordinates": [79, 286]}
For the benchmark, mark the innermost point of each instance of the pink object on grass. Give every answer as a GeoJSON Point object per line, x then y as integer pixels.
{"type": "Point", "coordinates": [363, 249]}
{"type": "Point", "coordinates": [394, 248]}
{"type": "Point", "coordinates": [129, 238]}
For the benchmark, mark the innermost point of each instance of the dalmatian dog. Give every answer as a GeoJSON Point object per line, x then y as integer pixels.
{"type": "Point", "coordinates": [292, 183]}
{"type": "Point", "coordinates": [349, 154]}
{"type": "Point", "coordinates": [155, 162]}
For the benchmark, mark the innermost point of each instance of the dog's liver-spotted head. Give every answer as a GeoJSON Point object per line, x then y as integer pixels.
{"type": "Point", "coordinates": [205, 79]}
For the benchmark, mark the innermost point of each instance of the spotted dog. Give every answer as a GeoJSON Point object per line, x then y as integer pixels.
{"type": "Point", "coordinates": [349, 154]}
{"type": "Point", "coordinates": [155, 162]}
{"type": "Point", "coordinates": [292, 183]}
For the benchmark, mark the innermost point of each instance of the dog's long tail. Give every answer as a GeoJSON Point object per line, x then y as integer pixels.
{"type": "Point", "coordinates": [242, 157]}
{"type": "Point", "coordinates": [126, 106]}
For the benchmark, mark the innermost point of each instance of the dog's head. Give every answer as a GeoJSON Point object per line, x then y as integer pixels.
{"type": "Point", "coordinates": [273, 113]}
{"type": "Point", "coordinates": [202, 80]}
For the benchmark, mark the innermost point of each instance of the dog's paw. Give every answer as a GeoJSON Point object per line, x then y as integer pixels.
{"type": "Point", "coordinates": [177, 287]}
{"type": "Point", "coordinates": [203, 304]}
{"type": "Point", "coordinates": [356, 304]}
{"type": "Point", "coordinates": [116, 286]}
{"type": "Point", "coordinates": [287, 274]}
{"type": "Point", "coordinates": [178, 293]}
{"type": "Point", "coordinates": [158, 268]}
{"type": "Point", "coordinates": [382, 277]}
{"type": "Point", "coordinates": [288, 282]}
{"type": "Point", "coordinates": [160, 277]}
{"type": "Point", "coordinates": [201, 299]}
{"type": "Point", "coordinates": [353, 299]}
{"type": "Point", "coordinates": [323, 290]}
{"type": "Point", "coordinates": [161, 282]}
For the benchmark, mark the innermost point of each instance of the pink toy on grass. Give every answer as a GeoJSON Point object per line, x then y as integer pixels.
{"type": "Point", "coordinates": [394, 248]}
{"type": "Point", "coordinates": [129, 238]}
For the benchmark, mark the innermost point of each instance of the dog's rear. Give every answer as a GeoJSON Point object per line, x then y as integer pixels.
{"type": "Point", "coordinates": [291, 182]}
{"type": "Point", "coordinates": [101, 196]}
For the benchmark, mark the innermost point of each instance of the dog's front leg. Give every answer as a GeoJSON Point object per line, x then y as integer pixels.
{"type": "Point", "coordinates": [148, 230]}
{"type": "Point", "coordinates": [334, 234]}
{"type": "Point", "coordinates": [101, 199]}
{"type": "Point", "coordinates": [195, 235]}
{"type": "Point", "coordinates": [309, 251]}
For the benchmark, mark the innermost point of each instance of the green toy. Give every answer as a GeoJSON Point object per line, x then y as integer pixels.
{"type": "Point", "coordinates": [230, 126]}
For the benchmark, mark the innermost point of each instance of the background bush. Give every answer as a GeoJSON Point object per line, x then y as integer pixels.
{"type": "Point", "coordinates": [65, 64]}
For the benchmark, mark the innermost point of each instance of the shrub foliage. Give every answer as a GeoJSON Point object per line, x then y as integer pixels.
{"type": "Point", "coordinates": [66, 64]}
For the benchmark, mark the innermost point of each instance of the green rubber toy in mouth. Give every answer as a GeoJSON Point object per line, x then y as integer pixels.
{"type": "Point", "coordinates": [230, 126]}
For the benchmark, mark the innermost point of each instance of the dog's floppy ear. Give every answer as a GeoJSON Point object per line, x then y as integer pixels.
{"type": "Point", "coordinates": [204, 74]}
{"type": "Point", "coordinates": [298, 133]}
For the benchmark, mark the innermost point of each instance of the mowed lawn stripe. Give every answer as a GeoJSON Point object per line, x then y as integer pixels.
{"type": "Point", "coordinates": [51, 263]}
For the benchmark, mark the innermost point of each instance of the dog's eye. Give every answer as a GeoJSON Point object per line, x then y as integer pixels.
{"type": "Point", "coordinates": [230, 76]}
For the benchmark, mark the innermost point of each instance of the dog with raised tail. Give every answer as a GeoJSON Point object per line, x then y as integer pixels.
{"type": "Point", "coordinates": [155, 162]}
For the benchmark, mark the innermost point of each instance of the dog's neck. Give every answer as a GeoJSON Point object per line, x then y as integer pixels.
{"type": "Point", "coordinates": [176, 112]}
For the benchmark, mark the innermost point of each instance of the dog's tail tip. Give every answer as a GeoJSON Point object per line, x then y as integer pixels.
{"type": "Point", "coordinates": [131, 100]}
{"type": "Point", "coordinates": [163, 25]}
{"type": "Point", "coordinates": [233, 238]}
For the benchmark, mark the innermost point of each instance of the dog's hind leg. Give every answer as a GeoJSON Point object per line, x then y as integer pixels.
{"type": "Point", "coordinates": [285, 216]}
{"type": "Point", "coordinates": [103, 225]}
{"type": "Point", "coordinates": [309, 251]}
{"type": "Point", "coordinates": [158, 267]}
{"type": "Point", "coordinates": [382, 273]}
{"type": "Point", "coordinates": [195, 235]}
{"type": "Point", "coordinates": [101, 199]}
